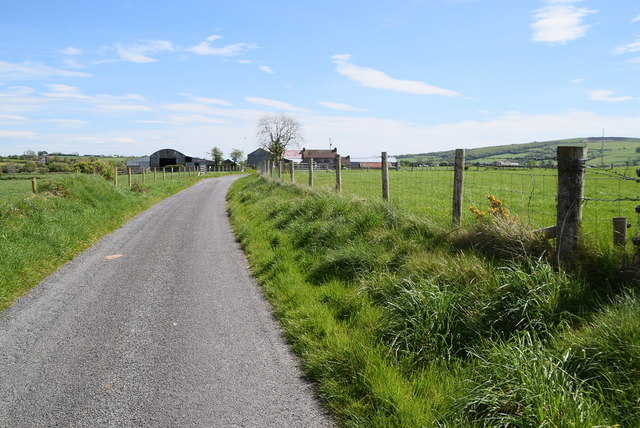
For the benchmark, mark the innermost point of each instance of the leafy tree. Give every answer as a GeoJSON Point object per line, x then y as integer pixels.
{"type": "Point", "coordinates": [277, 132]}
{"type": "Point", "coordinates": [29, 154]}
{"type": "Point", "coordinates": [237, 156]}
{"type": "Point", "coordinates": [216, 155]}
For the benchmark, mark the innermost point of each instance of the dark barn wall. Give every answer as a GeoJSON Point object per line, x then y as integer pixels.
{"type": "Point", "coordinates": [166, 157]}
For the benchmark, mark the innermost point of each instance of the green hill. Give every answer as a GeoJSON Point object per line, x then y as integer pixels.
{"type": "Point", "coordinates": [617, 151]}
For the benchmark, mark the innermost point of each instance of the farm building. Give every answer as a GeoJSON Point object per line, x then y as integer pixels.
{"type": "Point", "coordinates": [258, 156]}
{"type": "Point", "coordinates": [373, 163]}
{"type": "Point", "coordinates": [323, 159]}
{"type": "Point", "coordinates": [167, 157]}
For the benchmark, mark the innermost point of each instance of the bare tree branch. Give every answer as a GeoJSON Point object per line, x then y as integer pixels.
{"type": "Point", "coordinates": [277, 132]}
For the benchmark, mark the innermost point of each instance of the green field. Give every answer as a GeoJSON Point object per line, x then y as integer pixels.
{"type": "Point", "coordinates": [617, 151]}
{"type": "Point", "coordinates": [529, 194]}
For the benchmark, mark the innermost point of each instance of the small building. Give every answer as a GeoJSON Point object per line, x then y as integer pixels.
{"type": "Point", "coordinates": [373, 163]}
{"type": "Point", "coordinates": [138, 163]}
{"type": "Point", "coordinates": [294, 156]}
{"type": "Point", "coordinates": [257, 157]}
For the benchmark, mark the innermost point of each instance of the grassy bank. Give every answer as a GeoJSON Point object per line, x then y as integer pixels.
{"type": "Point", "coordinates": [40, 232]}
{"type": "Point", "coordinates": [407, 324]}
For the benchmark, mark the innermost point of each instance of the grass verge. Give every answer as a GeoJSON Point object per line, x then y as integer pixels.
{"type": "Point", "coordinates": [40, 232]}
{"type": "Point", "coordinates": [405, 324]}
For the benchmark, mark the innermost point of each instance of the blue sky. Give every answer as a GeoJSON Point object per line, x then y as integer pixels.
{"type": "Point", "coordinates": [130, 77]}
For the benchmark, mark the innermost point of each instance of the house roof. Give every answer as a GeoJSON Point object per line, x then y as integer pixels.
{"type": "Point", "coordinates": [292, 154]}
{"type": "Point", "coordinates": [318, 154]}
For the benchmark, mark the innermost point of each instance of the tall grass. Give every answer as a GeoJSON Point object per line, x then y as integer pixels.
{"type": "Point", "coordinates": [404, 322]}
{"type": "Point", "coordinates": [40, 232]}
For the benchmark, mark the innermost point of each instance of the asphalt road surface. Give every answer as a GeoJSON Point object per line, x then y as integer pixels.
{"type": "Point", "coordinates": [160, 324]}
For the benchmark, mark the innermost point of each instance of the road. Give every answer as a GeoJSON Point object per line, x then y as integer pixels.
{"type": "Point", "coordinates": [160, 324]}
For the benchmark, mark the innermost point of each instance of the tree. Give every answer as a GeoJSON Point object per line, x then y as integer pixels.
{"type": "Point", "coordinates": [236, 156]}
{"type": "Point", "coordinates": [276, 132]}
{"type": "Point", "coordinates": [216, 155]}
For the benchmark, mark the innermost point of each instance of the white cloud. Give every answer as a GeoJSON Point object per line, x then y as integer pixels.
{"type": "Point", "coordinates": [560, 21]}
{"type": "Point", "coordinates": [63, 91]}
{"type": "Point", "coordinates": [12, 118]}
{"type": "Point", "coordinates": [577, 80]}
{"type": "Point", "coordinates": [71, 51]}
{"type": "Point", "coordinates": [628, 48]}
{"type": "Point", "coordinates": [243, 61]}
{"type": "Point", "coordinates": [207, 48]}
{"type": "Point", "coordinates": [340, 106]}
{"type": "Point", "coordinates": [67, 122]}
{"type": "Point", "coordinates": [215, 101]}
{"type": "Point", "coordinates": [266, 69]}
{"type": "Point", "coordinates": [18, 134]}
{"type": "Point", "coordinates": [17, 91]}
{"type": "Point", "coordinates": [28, 70]}
{"type": "Point", "coordinates": [280, 105]}
{"type": "Point", "coordinates": [636, 19]}
{"type": "Point", "coordinates": [140, 53]}
{"type": "Point", "coordinates": [127, 107]}
{"type": "Point", "coordinates": [372, 78]}
{"type": "Point", "coordinates": [604, 95]}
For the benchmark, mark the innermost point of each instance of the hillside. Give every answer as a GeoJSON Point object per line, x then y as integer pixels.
{"type": "Point", "coordinates": [618, 151]}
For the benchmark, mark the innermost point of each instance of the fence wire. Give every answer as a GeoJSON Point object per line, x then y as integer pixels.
{"type": "Point", "coordinates": [528, 192]}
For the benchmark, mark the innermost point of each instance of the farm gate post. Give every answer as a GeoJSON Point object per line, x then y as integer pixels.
{"type": "Point", "coordinates": [458, 181]}
{"type": "Point", "coordinates": [571, 169]}
{"type": "Point", "coordinates": [385, 177]}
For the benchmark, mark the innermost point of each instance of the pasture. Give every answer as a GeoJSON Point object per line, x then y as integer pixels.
{"type": "Point", "coordinates": [529, 194]}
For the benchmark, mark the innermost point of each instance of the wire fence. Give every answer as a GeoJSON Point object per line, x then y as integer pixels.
{"type": "Point", "coordinates": [530, 193]}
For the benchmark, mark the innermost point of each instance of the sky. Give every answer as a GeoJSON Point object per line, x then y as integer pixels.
{"type": "Point", "coordinates": [129, 77]}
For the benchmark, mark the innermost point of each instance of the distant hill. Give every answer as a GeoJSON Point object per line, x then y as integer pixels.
{"type": "Point", "coordinates": [617, 151]}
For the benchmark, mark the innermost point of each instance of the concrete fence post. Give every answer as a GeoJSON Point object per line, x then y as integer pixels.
{"type": "Point", "coordinates": [458, 184]}
{"type": "Point", "coordinates": [571, 169]}
{"type": "Point", "coordinates": [338, 166]}
{"type": "Point", "coordinates": [385, 176]}
{"type": "Point", "coordinates": [619, 232]}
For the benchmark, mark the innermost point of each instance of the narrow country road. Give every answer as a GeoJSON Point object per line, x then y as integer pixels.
{"type": "Point", "coordinates": [160, 324]}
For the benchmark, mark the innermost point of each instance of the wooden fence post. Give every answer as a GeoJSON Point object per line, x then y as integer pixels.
{"type": "Point", "coordinates": [130, 178]}
{"type": "Point", "coordinates": [293, 171]}
{"type": "Point", "coordinates": [458, 184]}
{"type": "Point", "coordinates": [280, 168]}
{"type": "Point", "coordinates": [34, 184]}
{"type": "Point", "coordinates": [338, 166]}
{"type": "Point", "coordinates": [620, 232]}
{"type": "Point", "coordinates": [155, 171]}
{"type": "Point", "coordinates": [144, 175]}
{"type": "Point", "coordinates": [385, 177]}
{"type": "Point", "coordinates": [164, 173]}
{"type": "Point", "coordinates": [311, 172]}
{"type": "Point", "coordinates": [571, 167]}
{"type": "Point", "coordinates": [115, 178]}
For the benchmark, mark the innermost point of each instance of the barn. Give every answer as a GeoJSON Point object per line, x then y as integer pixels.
{"type": "Point", "coordinates": [168, 157]}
